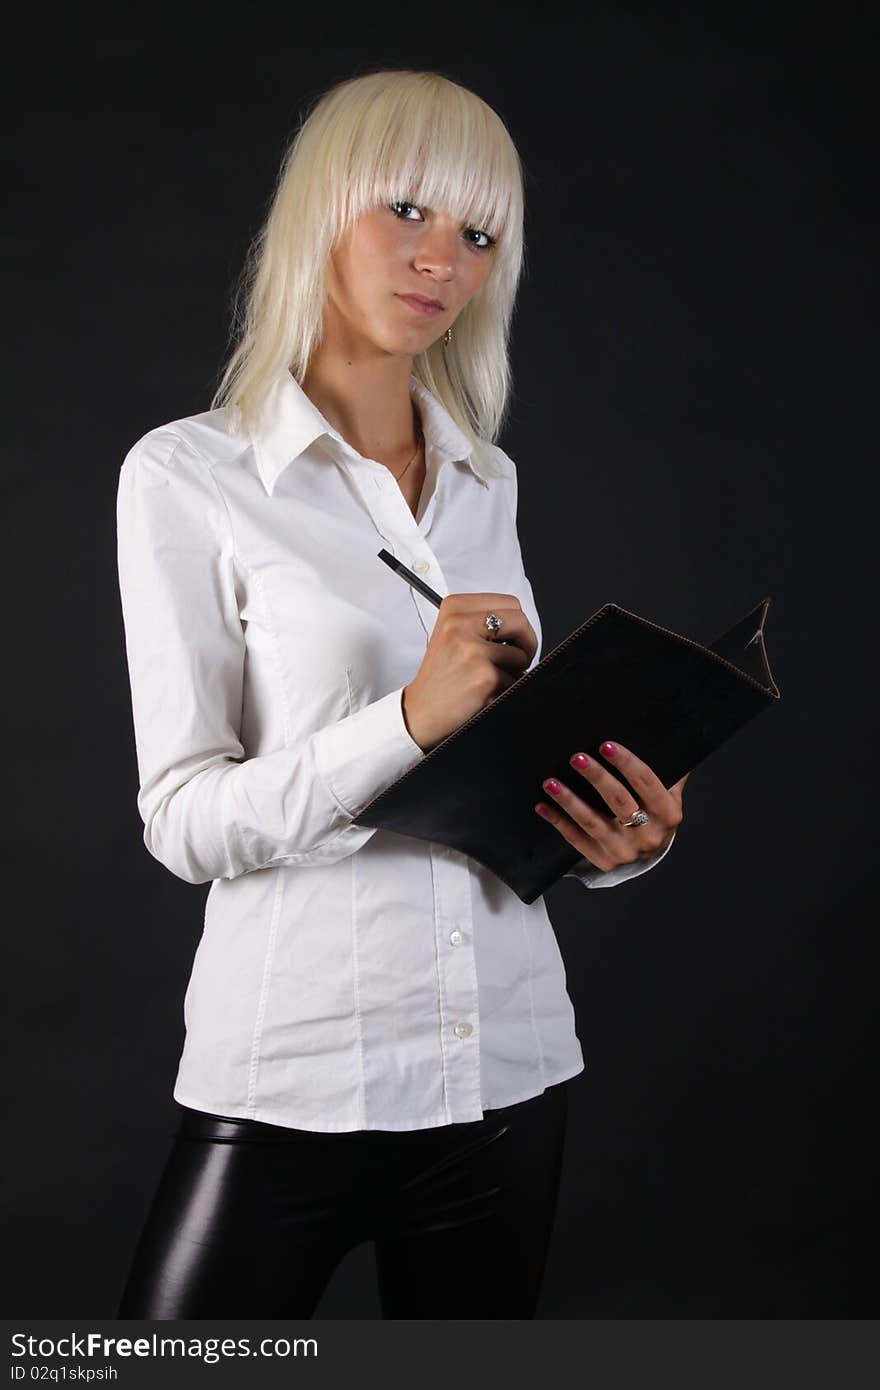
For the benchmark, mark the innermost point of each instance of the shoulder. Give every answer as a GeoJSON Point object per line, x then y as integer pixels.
{"type": "Point", "coordinates": [167, 478]}
{"type": "Point", "coordinates": [189, 444]}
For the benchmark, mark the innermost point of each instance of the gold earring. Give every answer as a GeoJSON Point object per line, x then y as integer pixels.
{"type": "Point", "coordinates": [447, 336]}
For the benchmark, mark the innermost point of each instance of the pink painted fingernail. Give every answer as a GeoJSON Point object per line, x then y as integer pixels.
{"type": "Point", "coordinates": [580, 760]}
{"type": "Point", "coordinates": [552, 786]}
{"type": "Point", "coordinates": [609, 750]}
{"type": "Point", "coordinates": [542, 810]}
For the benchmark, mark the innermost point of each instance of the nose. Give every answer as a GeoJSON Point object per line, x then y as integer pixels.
{"type": "Point", "coordinates": [436, 250]}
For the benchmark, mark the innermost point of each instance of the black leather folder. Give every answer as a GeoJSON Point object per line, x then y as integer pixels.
{"type": "Point", "coordinates": [668, 698]}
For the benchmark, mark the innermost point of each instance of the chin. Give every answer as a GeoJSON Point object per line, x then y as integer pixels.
{"type": "Point", "coordinates": [406, 344]}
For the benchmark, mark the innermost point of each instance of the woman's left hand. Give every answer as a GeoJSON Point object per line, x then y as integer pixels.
{"type": "Point", "coordinates": [607, 843]}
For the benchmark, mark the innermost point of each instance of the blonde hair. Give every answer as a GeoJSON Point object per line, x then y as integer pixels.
{"type": "Point", "coordinates": [394, 133]}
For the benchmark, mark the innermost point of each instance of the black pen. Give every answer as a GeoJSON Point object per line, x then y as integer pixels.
{"type": "Point", "coordinates": [400, 568]}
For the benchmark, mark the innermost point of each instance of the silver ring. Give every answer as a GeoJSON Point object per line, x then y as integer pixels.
{"type": "Point", "coordinates": [637, 818]}
{"type": "Point", "coordinates": [493, 623]}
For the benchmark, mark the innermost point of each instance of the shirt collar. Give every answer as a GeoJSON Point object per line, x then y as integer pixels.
{"type": "Point", "coordinates": [291, 422]}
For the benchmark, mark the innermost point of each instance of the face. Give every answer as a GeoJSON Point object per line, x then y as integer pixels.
{"type": "Point", "coordinates": [404, 249]}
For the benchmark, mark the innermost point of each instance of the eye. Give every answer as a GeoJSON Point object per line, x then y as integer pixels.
{"type": "Point", "coordinates": [477, 245]}
{"type": "Point", "coordinates": [401, 203]}
{"type": "Point", "coordinates": [485, 245]}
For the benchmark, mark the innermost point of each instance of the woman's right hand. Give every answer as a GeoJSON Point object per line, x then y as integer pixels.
{"type": "Point", "coordinates": [464, 668]}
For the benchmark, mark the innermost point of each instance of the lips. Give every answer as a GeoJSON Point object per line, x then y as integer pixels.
{"type": "Point", "coordinates": [422, 302]}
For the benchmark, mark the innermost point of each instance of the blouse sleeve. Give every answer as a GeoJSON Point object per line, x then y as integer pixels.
{"type": "Point", "coordinates": [582, 870]}
{"type": "Point", "coordinates": [209, 811]}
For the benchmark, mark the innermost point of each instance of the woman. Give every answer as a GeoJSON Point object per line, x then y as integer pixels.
{"type": "Point", "coordinates": [378, 1032]}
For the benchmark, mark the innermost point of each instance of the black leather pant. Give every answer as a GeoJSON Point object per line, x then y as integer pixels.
{"type": "Point", "coordinates": [251, 1219]}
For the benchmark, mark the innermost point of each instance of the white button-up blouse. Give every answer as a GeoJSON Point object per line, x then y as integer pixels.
{"type": "Point", "coordinates": [346, 978]}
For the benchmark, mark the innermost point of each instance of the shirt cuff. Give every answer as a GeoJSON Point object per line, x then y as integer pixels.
{"type": "Point", "coordinates": [592, 877]}
{"type": "Point", "coordinates": [361, 755]}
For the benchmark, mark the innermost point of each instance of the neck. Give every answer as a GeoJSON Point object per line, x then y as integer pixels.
{"type": "Point", "coordinates": [365, 395]}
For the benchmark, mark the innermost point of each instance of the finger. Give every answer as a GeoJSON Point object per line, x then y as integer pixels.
{"type": "Point", "coordinates": [515, 631]}
{"type": "Point", "coordinates": [618, 796]}
{"type": "Point", "coordinates": [515, 625]}
{"type": "Point", "coordinates": [467, 602]}
{"type": "Point", "coordinates": [677, 788]}
{"type": "Point", "coordinates": [508, 657]}
{"type": "Point", "coordinates": [619, 845]}
{"type": "Point", "coordinates": [646, 786]}
{"type": "Point", "coordinates": [611, 834]}
{"type": "Point", "coordinates": [576, 836]}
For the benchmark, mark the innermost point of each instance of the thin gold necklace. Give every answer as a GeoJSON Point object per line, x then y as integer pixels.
{"type": "Point", "coordinates": [398, 476]}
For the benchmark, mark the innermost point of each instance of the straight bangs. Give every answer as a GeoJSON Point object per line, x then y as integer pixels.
{"type": "Point", "coordinates": [429, 143]}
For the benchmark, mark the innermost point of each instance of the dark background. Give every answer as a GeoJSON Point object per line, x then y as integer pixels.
{"type": "Point", "coordinates": [695, 393]}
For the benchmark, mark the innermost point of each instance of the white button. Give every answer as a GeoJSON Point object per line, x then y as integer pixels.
{"type": "Point", "coordinates": [463, 1030]}
{"type": "Point", "coordinates": [421, 565]}
{"type": "Point", "coordinates": [456, 937]}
